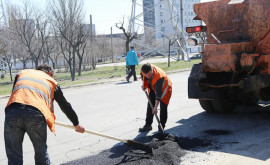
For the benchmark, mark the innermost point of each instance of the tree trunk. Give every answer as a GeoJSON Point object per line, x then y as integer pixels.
{"type": "Point", "coordinates": [36, 62]}
{"type": "Point", "coordinates": [74, 65]}
{"type": "Point", "coordinates": [71, 74]}
{"type": "Point", "coordinates": [80, 67]}
{"type": "Point", "coordinates": [127, 45]}
{"type": "Point", "coordinates": [24, 65]}
{"type": "Point", "coordinates": [93, 63]}
{"type": "Point", "coordinates": [80, 62]}
{"type": "Point", "coordinates": [10, 71]}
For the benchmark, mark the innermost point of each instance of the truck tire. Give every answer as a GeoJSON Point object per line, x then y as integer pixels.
{"type": "Point", "coordinates": [224, 101]}
{"type": "Point", "coordinates": [206, 105]}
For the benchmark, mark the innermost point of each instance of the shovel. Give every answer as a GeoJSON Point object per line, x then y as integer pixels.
{"type": "Point", "coordinates": [155, 113]}
{"type": "Point", "coordinates": [135, 144]}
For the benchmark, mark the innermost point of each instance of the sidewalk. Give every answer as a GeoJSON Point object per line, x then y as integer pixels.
{"type": "Point", "coordinates": [150, 60]}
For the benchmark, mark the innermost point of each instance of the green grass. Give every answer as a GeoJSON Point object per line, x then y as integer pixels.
{"type": "Point", "coordinates": [99, 74]}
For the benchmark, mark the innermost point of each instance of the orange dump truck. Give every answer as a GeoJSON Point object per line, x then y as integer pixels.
{"type": "Point", "coordinates": [235, 66]}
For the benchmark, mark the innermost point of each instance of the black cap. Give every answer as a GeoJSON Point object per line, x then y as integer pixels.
{"type": "Point", "coordinates": [132, 47]}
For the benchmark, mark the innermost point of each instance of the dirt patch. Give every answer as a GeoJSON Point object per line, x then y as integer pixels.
{"type": "Point", "coordinates": [167, 149]}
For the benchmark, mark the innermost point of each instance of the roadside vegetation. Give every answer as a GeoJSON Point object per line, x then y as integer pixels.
{"type": "Point", "coordinates": [100, 74]}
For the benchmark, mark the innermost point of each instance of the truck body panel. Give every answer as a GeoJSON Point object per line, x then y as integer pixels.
{"type": "Point", "coordinates": [235, 64]}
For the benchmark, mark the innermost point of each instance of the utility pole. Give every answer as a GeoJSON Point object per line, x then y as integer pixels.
{"type": "Point", "coordinates": [182, 27]}
{"type": "Point", "coordinates": [133, 19]}
{"type": "Point", "coordinates": [91, 30]}
{"type": "Point", "coordinates": [111, 45]}
{"type": "Point", "coordinates": [181, 11]}
{"type": "Point", "coordinates": [91, 42]}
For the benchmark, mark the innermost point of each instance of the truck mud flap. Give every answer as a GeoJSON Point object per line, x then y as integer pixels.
{"type": "Point", "coordinates": [194, 91]}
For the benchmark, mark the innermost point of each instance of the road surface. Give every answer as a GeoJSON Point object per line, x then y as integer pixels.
{"type": "Point", "coordinates": [118, 109]}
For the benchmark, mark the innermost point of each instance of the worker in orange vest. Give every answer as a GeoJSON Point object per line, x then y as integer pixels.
{"type": "Point", "coordinates": [160, 90]}
{"type": "Point", "coordinates": [30, 109]}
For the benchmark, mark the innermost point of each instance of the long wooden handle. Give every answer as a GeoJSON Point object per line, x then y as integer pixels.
{"type": "Point", "coordinates": [91, 132]}
{"type": "Point", "coordinates": [152, 109]}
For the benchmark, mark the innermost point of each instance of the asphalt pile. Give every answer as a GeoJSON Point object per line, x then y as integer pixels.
{"type": "Point", "coordinates": [167, 150]}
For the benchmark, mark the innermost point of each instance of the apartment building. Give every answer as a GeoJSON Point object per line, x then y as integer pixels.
{"type": "Point", "coordinates": [165, 16]}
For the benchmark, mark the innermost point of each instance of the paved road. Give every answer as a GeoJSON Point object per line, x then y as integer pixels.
{"type": "Point", "coordinates": [118, 109]}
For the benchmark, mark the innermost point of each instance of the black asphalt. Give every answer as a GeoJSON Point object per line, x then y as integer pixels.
{"type": "Point", "coordinates": [167, 150]}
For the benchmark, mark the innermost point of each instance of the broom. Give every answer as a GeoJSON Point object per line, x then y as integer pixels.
{"type": "Point", "coordinates": [132, 143]}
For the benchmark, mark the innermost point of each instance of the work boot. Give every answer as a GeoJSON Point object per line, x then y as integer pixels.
{"type": "Point", "coordinates": [127, 79]}
{"type": "Point", "coordinates": [145, 128]}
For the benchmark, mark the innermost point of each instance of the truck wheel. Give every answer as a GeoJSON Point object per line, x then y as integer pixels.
{"type": "Point", "coordinates": [206, 105]}
{"type": "Point", "coordinates": [224, 102]}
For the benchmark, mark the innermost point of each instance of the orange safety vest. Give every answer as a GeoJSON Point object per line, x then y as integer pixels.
{"type": "Point", "coordinates": [35, 88]}
{"type": "Point", "coordinates": [166, 87]}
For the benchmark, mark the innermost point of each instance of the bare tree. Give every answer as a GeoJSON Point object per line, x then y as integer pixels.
{"type": "Point", "coordinates": [82, 37]}
{"type": "Point", "coordinates": [49, 50]}
{"type": "Point", "coordinates": [20, 52]}
{"type": "Point", "coordinates": [129, 35]}
{"type": "Point", "coordinates": [90, 54]}
{"type": "Point", "coordinates": [31, 28]}
{"type": "Point", "coordinates": [5, 57]}
{"type": "Point", "coordinates": [66, 50]}
{"type": "Point", "coordinates": [67, 20]}
{"type": "Point", "coordinates": [103, 51]}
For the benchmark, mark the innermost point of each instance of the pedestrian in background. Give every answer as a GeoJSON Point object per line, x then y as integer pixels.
{"type": "Point", "coordinates": [30, 109]}
{"type": "Point", "coordinates": [160, 90]}
{"type": "Point", "coordinates": [131, 62]}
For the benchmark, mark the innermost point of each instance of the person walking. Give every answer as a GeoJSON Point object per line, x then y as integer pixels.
{"type": "Point", "coordinates": [30, 110]}
{"type": "Point", "coordinates": [160, 90]}
{"type": "Point", "coordinates": [131, 62]}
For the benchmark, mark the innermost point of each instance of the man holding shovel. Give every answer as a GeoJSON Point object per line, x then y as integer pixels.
{"type": "Point", "coordinates": [160, 90]}
{"type": "Point", "coordinates": [30, 109]}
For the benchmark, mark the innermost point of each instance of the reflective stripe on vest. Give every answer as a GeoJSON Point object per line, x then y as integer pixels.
{"type": "Point", "coordinates": [49, 101]}
{"type": "Point", "coordinates": [165, 91]}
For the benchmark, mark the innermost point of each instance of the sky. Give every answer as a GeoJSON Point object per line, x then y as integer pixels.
{"type": "Point", "coordinates": [105, 13]}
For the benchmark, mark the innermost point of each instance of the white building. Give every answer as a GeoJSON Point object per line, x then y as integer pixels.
{"type": "Point", "coordinates": [163, 16]}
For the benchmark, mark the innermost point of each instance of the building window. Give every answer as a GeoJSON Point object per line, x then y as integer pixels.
{"type": "Point", "coordinates": [161, 13]}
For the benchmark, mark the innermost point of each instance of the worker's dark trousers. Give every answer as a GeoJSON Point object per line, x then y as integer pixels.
{"type": "Point", "coordinates": [18, 121]}
{"type": "Point", "coordinates": [132, 72]}
{"type": "Point", "coordinates": [163, 111]}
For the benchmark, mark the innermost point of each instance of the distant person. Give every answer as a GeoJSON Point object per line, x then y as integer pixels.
{"type": "Point", "coordinates": [131, 62]}
{"type": "Point", "coordinates": [160, 90]}
{"type": "Point", "coordinates": [30, 109]}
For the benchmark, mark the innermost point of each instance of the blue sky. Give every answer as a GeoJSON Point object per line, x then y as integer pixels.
{"type": "Point", "coordinates": [105, 13]}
